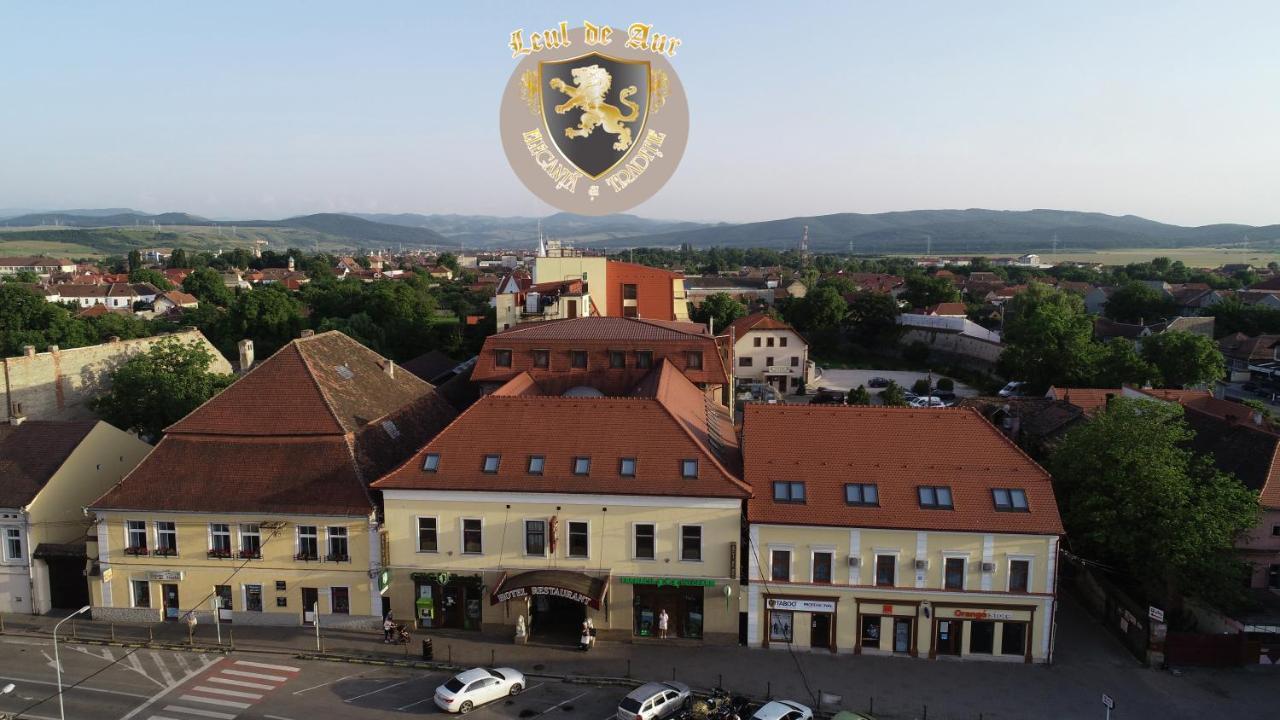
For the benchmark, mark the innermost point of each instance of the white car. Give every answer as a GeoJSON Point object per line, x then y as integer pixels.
{"type": "Point", "coordinates": [927, 402]}
{"type": "Point", "coordinates": [783, 710]}
{"type": "Point", "coordinates": [655, 700]}
{"type": "Point", "coordinates": [1013, 389]}
{"type": "Point", "coordinates": [468, 690]}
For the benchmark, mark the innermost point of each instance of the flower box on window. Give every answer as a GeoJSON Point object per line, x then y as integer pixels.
{"type": "Point", "coordinates": [135, 551]}
{"type": "Point", "coordinates": [250, 554]}
{"type": "Point", "coordinates": [219, 553]}
{"type": "Point", "coordinates": [166, 552]}
{"type": "Point", "coordinates": [338, 558]}
{"type": "Point", "coordinates": [306, 557]}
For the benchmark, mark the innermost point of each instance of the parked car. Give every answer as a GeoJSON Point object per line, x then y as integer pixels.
{"type": "Point", "coordinates": [1013, 389]}
{"type": "Point", "coordinates": [878, 382]}
{"type": "Point", "coordinates": [827, 396]}
{"type": "Point", "coordinates": [654, 701]}
{"type": "Point", "coordinates": [945, 396]}
{"type": "Point", "coordinates": [783, 710]}
{"type": "Point", "coordinates": [472, 688]}
{"type": "Point", "coordinates": [927, 402]}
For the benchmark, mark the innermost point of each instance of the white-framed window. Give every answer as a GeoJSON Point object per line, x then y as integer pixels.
{"type": "Point", "coordinates": [955, 569]}
{"type": "Point", "coordinates": [250, 540]}
{"type": "Point", "coordinates": [428, 534]}
{"type": "Point", "coordinates": [535, 538]}
{"type": "Point", "coordinates": [13, 544]}
{"type": "Point", "coordinates": [822, 563]}
{"type": "Point", "coordinates": [886, 569]}
{"type": "Point", "coordinates": [1019, 573]}
{"type": "Point", "coordinates": [308, 542]}
{"type": "Point", "coordinates": [135, 537]}
{"type": "Point", "coordinates": [780, 564]}
{"type": "Point", "coordinates": [141, 592]}
{"type": "Point", "coordinates": [472, 536]}
{"type": "Point", "coordinates": [691, 543]}
{"type": "Point", "coordinates": [339, 550]}
{"type": "Point", "coordinates": [644, 541]}
{"type": "Point", "coordinates": [579, 539]}
{"type": "Point", "coordinates": [166, 537]}
{"type": "Point", "coordinates": [219, 540]}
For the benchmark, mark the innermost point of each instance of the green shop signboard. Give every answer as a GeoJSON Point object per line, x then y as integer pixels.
{"type": "Point", "coordinates": [668, 581]}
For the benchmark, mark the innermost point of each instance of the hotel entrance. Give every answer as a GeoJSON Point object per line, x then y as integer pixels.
{"type": "Point", "coordinates": [556, 619]}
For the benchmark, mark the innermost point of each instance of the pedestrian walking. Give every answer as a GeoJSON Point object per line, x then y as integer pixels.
{"type": "Point", "coordinates": [388, 627]}
{"type": "Point", "coordinates": [591, 634]}
{"type": "Point", "coordinates": [662, 623]}
{"type": "Point", "coordinates": [584, 642]}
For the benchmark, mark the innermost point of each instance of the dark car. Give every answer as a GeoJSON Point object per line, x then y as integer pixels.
{"type": "Point", "coordinates": [944, 395]}
{"type": "Point", "coordinates": [878, 382]}
{"type": "Point", "coordinates": [823, 396]}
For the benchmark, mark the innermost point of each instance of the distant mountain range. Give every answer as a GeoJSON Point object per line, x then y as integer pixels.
{"type": "Point", "coordinates": [940, 231]}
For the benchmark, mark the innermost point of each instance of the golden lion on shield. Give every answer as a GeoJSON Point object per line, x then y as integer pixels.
{"type": "Point", "coordinates": [590, 84]}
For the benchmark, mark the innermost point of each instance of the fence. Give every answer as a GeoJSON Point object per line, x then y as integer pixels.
{"type": "Point", "coordinates": [1115, 610]}
{"type": "Point", "coordinates": [1205, 650]}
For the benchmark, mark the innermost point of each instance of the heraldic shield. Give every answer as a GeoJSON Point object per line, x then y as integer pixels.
{"type": "Point", "coordinates": [594, 107]}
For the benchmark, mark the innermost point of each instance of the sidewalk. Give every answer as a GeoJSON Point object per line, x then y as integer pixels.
{"type": "Point", "coordinates": [1089, 662]}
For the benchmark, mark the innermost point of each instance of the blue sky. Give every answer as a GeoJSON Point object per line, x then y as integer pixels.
{"type": "Point", "coordinates": [247, 109]}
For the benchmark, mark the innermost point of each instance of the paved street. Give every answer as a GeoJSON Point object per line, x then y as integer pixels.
{"type": "Point", "coordinates": [845, 380]}
{"type": "Point", "coordinates": [271, 683]}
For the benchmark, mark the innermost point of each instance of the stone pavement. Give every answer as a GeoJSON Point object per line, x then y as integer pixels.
{"type": "Point", "coordinates": [1088, 663]}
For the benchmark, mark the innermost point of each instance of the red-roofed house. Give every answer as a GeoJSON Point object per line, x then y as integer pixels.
{"type": "Point", "coordinates": [555, 507]}
{"type": "Point", "coordinates": [768, 350]}
{"type": "Point", "coordinates": [897, 531]}
{"type": "Point", "coordinates": [267, 482]}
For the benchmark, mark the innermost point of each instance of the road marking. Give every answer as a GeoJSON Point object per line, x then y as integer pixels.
{"type": "Point", "coordinates": [161, 693]}
{"type": "Point", "coordinates": [562, 702]}
{"type": "Point", "coordinates": [164, 671]}
{"type": "Point", "coordinates": [215, 701]}
{"type": "Point", "coordinates": [68, 686]}
{"type": "Point", "coordinates": [371, 692]}
{"type": "Point", "coordinates": [265, 666]}
{"type": "Point", "coordinates": [25, 642]}
{"type": "Point", "coordinates": [241, 683]}
{"type": "Point", "coordinates": [202, 713]}
{"type": "Point", "coordinates": [313, 687]}
{"type": "Point", "coordinates": [135, 664]}
{"type": "Point", "coordinates": [406, 707]}
{"type": "Point", "coordinates": [260, 676]}
{"type": "Point", "coordinates": [161, 717]}
{"type": "Point", "coordinates": [228, 693]}
{"type": "Point", "coordinates": [268, 717]}
{"type": "Point", "coordinates": [182, 661]}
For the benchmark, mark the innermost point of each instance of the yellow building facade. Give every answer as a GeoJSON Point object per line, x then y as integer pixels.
{"type": "Point", "coordinates": [249, 569]}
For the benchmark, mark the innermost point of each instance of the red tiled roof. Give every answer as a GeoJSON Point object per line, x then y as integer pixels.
{"type": "Point", "coordinates": [947, 308]}
{"type": "Point", "coordinates": [898, 449]}
{"type": "Point", "coordinates": [668, 420]}
{"type": "Point", "coordinates": [1087, 399]}
{"type": "Point", "coordinates": [606, 328]}
{"type": "Point", "coordinates": [31, 453]}
{"type": "Point", "coordinates": [758, 321]}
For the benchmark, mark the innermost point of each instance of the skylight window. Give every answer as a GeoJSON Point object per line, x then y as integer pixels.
{"type": "Point", "coordinates": [432, 462]}
{"type": "Point", "coordinates": [689, 469]}
{"type": "Point", "coordinates": [1010, 499]}
{"type": "Point", "coordinates": [627, 467]}
{"type": "Point", "coordinates": [491, 463]}
{"type": "Point", "coordinates": [582, 466]}
{"type": "Point", "coordinates": [788, 492]}
{"type": "Point", "coordinates": [536, 463]}
{"type": "Point", "coordinates": [865, 494]}
{"type": "Point", "coordinates": [344, 372]}
{"type": "Point", "coordinates": [935, 497]}
{"type": "Point", "coordinates": [392, 431]}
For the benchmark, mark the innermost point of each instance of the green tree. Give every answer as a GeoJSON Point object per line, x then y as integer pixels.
{"type": "Point", "coordinates": [270, 316]}
{"type": "Point", "coordinates": [859, 396]}
{"type": "Point", "coordinates": [1138, 302]}
{"type": "Point", "coordinates": [147, 275]}
{"type": "Point", "coordinates": [155, 389]}
{"type": "Point", "coordinates": [1134, 496]}
{"type": "Point", "coordinates": [872, 317]}
{"type": "Point", "coordinates": [1184, 358]}
{"type": "Point", "coordinates": [448, 260]}
{"type": "Point", "coordinates": [135, 260]}
{"type": "Point", "coordinates": [721, 308]}
{"type": "Point", "coordinates": [893, 395]}
{"type": "Point", "coordinates": [23, 276]}
{"type": "Point", "coordinates": [1118, 363]}
{"type": "Point", "coordinates": [924, 290]}
{"type": "Point", "coordinates": [821, 309]}
{"type": "Point", "coordinates": [178, 259]}
{"type": "Point", "coordinates": [1048, 339]}
{"type": "Point", "coordinates": [207, 287]}
{"type": "Point", "coordinates": [27, 319]}
{"type": "Point", "coordinates": [920, 387]}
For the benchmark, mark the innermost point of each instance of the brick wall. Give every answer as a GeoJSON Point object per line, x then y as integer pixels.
{"type": "Point", "coordinates": [56, 385]}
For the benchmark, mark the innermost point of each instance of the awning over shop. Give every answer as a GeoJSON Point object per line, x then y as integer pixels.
{"type": "Point", "coordinates": [578, 587]}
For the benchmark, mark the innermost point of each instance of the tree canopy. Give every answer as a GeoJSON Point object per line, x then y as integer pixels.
{"type": "Point", "coordinates": [720, 307]}
{"type": "Point", "coordinates": [147, 275]}
{"type": "Point", "coordinates": [1136, 301]}
{"type": "Point", "coordinates": [1048, 338]}
{"type": "Point", "coordinates": [925, 290]}
{"type": "Point", "coordinates": [1184, 358]}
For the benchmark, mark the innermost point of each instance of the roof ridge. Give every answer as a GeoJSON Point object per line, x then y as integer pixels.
{"type": "Point", "coordinates": [709, 452]}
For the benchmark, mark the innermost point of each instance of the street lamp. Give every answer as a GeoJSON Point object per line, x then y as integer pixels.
{"type": "Point", "coordinates": [57, 661]}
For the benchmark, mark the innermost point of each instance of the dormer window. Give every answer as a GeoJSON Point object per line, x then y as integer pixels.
{"type": "Point", "coordinates": [627, 467]}
{"type": "Point", "coordinates": [689, 469]}
{"type": "Point", "coordinates": [935, 497]}
{"type": "Point", "coordinates": [502, 358]}
{"type": "Point", "coordinates": [491, 463]}
{"type": "Point", "coordinates": [578, 359]}
{"type": "Point", "coordinates": [431, 462]}
{"type": "Point", "coordinates": [644, 359]}
{"type": "Point", "coordinates": [541, 358]}
{"type": "Point", "coordinates": [582, 466]}
{"type": "Point", "coordinates": [617, 359]}
{"type": "Point", "coordinates": [536, 463]}
{"type": "Point", "coordinates": [1010, 499]}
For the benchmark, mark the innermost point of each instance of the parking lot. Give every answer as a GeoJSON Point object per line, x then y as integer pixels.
{"type": "Point", "coordinates": [846, 380]}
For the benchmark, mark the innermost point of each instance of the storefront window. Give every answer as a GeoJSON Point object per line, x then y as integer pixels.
{"type": "Point", "coordinates": [871, 632]}
{"type": "Point", "coordinates": [253, 598]}
{"type": "Point", "coordinates": [780, 622]}
{"type": "Point", "coordinates": [341, 601]}
{"type": "Point", "coordinates": [1013, 639]}
{"type": "Point", "coordinates": [683, 606]}
{"type": "Point", "coordinates": [141, 594]}
{"type": "Point", "coordinates": [982, 635]}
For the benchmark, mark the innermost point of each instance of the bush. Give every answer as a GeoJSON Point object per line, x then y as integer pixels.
{"type": "Point", "coordinates": [946, 384]}
{"type": "Point", "coordinates": [916, 352]}
{"type": "Point", "coordinates": [893, 395]}
{"type": "Point", "coordinates": [859, 396]}
{"type": "Point", "coordinates": [921, 387]}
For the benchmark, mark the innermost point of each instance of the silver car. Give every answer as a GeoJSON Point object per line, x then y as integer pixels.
{"type": "Point", "coordinates": [654, 701]}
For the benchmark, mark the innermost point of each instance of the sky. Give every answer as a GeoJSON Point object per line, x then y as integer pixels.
{"type": "Point", "coordinates": [229, 109]}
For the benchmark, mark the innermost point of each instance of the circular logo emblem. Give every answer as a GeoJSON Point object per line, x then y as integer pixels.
{"type": "Point", "coordinates": [594, 120]}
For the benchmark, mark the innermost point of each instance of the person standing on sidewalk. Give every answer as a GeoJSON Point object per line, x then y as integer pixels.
{"type": "Point", "coordinates": [584, 642]}
{"type": "Point", "coordinates": [388, 627]}
{"type": "Point", "coordinates": [662, 624]}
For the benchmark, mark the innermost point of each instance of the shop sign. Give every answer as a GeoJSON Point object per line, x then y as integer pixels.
{"type": "Point", "coordinates": [384, 581]}
{"type": "Point", "coordinates": [164, 575]}
{"type": "Point", "coordinates": [668, 581]}
{"type": "Point", "coordinates": [106, 574]}
{"type": "Point", "coordinates": [799, 605]}
{"type": "Point", "coordinates": [519, 592]}
{"type": "Point", "coordinates": [962, 614]}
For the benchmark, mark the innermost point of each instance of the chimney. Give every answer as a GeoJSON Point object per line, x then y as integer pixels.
{"type": "Point", "coordinates": [28, 350]}
{"type": "Point", "coordinates": [307, 333]}
{"type": "Point", "coordinates": [53, 348]}
{"type": "Point", "coordinates": [390, 368]}
{"type": "Point", "coordinates": [246, 354]}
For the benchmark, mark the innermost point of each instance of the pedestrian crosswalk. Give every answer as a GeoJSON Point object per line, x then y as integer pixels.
{"type": "Point", "coordinates": [225, 690]}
